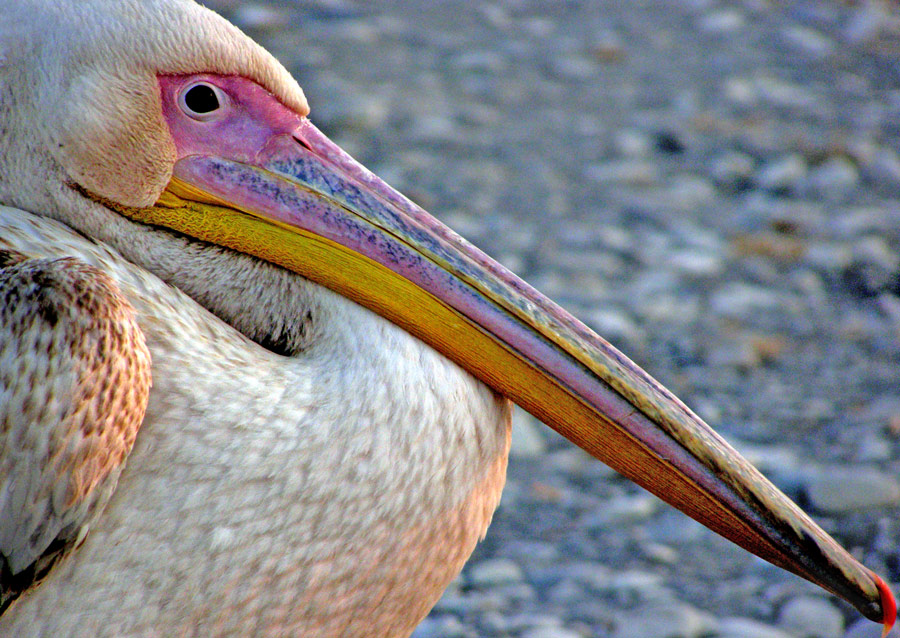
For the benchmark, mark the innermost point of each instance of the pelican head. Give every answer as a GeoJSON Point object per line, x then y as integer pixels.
{"type": "Point", "coordinates": [158, 128]}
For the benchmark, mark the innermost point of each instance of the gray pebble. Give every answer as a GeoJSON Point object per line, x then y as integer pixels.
{"type": "Point", "coordinates": [835, 179]}
{"type": "Point", "coordinates": [742, 300]}
{"type": "Point", "coordinates": [631, 172]}
{"type": "Point", "coordinates": [494, 572]}
{"type": "Point", "coordinates": [747, 628]}
{"type": "Point", "coordinates": [846, 489]}
{"type": "Point", "coordinates": [528, 440]}
{"type": "Point", "coordinates": [785, 173]}
{"type": "Point", "coordinates": [809, 41]}
{"type": "Point", "coordinates": [259, 16]}
{"type": "Point", "coordinates": [811, 617]}
{"type": "Point", "coordinates": [442, 627]}
{"type": "Point", "coordinates": [551, 632]}
{"type": "Point", "coordinates": [623, 510]}
{"type": "Point", "coordinates": [721, 22]}
{"type": "Point", "coordinates": [669, 621]}
{"type": "Point", "coordinates": [732, 170]}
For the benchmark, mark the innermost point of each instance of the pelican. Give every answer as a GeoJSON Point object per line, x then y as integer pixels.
{"type": "Point", "coordinates": [246, 388]}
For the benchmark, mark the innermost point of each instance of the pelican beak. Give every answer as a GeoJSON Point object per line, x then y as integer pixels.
{"type": "Point", "coordinates": [307, 206]}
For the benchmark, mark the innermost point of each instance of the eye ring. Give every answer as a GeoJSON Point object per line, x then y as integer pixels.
{"type": "Point", "coordinates": [202, 101]}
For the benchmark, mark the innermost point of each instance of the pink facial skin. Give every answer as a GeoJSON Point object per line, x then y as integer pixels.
{"type": "Point", "coordinates": [248, 118]}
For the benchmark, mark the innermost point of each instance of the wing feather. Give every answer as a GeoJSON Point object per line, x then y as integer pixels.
{"type": "Point", "coordinates": [74, 384]}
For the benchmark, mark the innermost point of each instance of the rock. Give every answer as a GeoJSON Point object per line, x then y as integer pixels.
{"type": "Point", "coordinates": [732, 170]}
{"type": "Point", "coordinates": [875, 263]}
{"type": "Point", "coordinates": [666, 621]}
{"type": "Point", "coordinates": [721, 22]}
{"type": "Point", "coordinates": [660, 553]}
{"type": "Point", "coordinates": [783, 174]}
{"type": "Point", "coordinates": [551, 632]}
{"type": "Point", "coordinates": [690, 191]}
{"type": "Point", "coordinates": [647, 585]}
{"type": "Point", "coordinates": [868, 21]}
{"type": "Point", "coordinates": [740, 300]}
{"type": "Point", "coordinates": [782, 93]}
{"type": "Point", "coordinates": [733, 627]}
{"type": "Point", "coordinates": [614, 326]}
{"type": "Point", "coordinates": [622, 510]}
{"type": "Point", "coordinates": [884, 168]}
{"type": "Point", "coordinates": [811, 617]}
{"type": "Point", "coordinates": [631, 172]}
{"type": "Point", "coordinates": [494, 572]}
{"type": "Point", "coordinates": [574, 67]}
{"type": "Point", "coordinates": [809, 41]}
{"type": "Point", "coordinates": [697, 263]}
{"type": "Point", "coordinates": [259, 16]}
{"type": "Point", "coordinates": [444, 626]}
{"type": "Point", "coordinates": [528, 439]}
{"type": "Point", "coordinates": [835, 179]}
{"type": "Point", "coordinates": [632, 143]}
{"type": "Point", "coordinates": [846, 489]}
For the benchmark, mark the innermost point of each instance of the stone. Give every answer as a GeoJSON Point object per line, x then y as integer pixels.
{"type": "Point", "coordinates": [846, 489]}
{"type": "Point", "coordinates": [528, 439]}
{"type": "Point", "coordinates": [811, 617]}
{"type": "Point", "coordinates": [677, 620]}
{"type": "Point", "coordinates": [494, 572]}
{"type": "Point", "coordinates": [721, 22]}
{"type": "Point", "coordinates": [783, 174]}
{"type": "Point", "coordinates": [733, 627]}
{"type": "Point", "coordinates": [623, 510]}
{"type": "Point", "coordinates": [835, 179]}
{"type": "Point", "coordinates": [810, 41]}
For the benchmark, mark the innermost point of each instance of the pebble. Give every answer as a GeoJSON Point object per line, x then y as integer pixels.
{"type": "Point", "coordinates": [690, 191]}
{"type": "Point", "coordinates": [632, 143]}
{"type": "Point", "coordinates": [741, 300]}
{"type": "Point", "coordinates": [721, 22]}
{"type": "Point", "coordinates": [834, 179]}
{"type": "Point", "coordinates": [669, 621]}
{"type": "Point", "coordinates": [496, 572]}
{"type": "Point", "coordinates": [811, 617]}
{"type": "Point", "coordinates": [443, 626]}
{"type": "Point", "coordinates": [884, 168]}
{"type": "Point", "coordinates": [840, 489]}
{"type": "Point", "coordinates": [551, 632]}
{"type": "Point", "coordinates": [574, 67]}
{"type": "Point", "coordinates": [748, 628]}
{"type": "Point", "coordinates": [732, 170]}
{"type": "Point", "coordinates": [809, 41]}
{"type": "Point", "coordinates": [783, 93]}
{"type": "Point", "coordinates": [782, 174]}
{"type": "Point", "coordinates": [630, 172]}
{"type": "Point", "coordinates": [259, 16]}
{"type": "Point", "coordinates": [615, 326]}
{"type": "Point", "coordinates": [527, 440]}
{"type": "Point", "coordinates": [622, 510]}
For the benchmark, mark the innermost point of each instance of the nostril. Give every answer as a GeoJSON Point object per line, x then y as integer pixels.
{"type": "Point", "coordinates": [302, 142]}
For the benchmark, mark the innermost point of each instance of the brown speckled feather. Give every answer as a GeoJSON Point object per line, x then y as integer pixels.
{"type": "Point", "coordinates": [74, 384]}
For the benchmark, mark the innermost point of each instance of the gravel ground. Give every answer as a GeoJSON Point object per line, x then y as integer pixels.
{"type": "Point", "coordinates": [713, 186]}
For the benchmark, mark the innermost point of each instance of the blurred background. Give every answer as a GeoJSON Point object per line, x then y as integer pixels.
{"type": "Point", "coordinates": [715, 188]}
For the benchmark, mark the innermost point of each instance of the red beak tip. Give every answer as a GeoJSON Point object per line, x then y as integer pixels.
{"type": "Point", "coordinates": [888, 605]}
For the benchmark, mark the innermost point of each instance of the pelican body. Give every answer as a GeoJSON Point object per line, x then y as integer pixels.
{"type": "Point", "coordinates": [246, 388]}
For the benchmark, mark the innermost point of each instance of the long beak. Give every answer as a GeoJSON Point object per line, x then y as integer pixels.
{"type": "Point", "coordinates": [307, 206]}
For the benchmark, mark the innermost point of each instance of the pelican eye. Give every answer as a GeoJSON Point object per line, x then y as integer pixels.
{"type": "Point", "coordinates": [201, 100]}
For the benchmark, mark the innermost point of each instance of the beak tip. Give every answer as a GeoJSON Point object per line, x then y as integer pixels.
{"type": "Point", "coordinates": [888, 605]}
